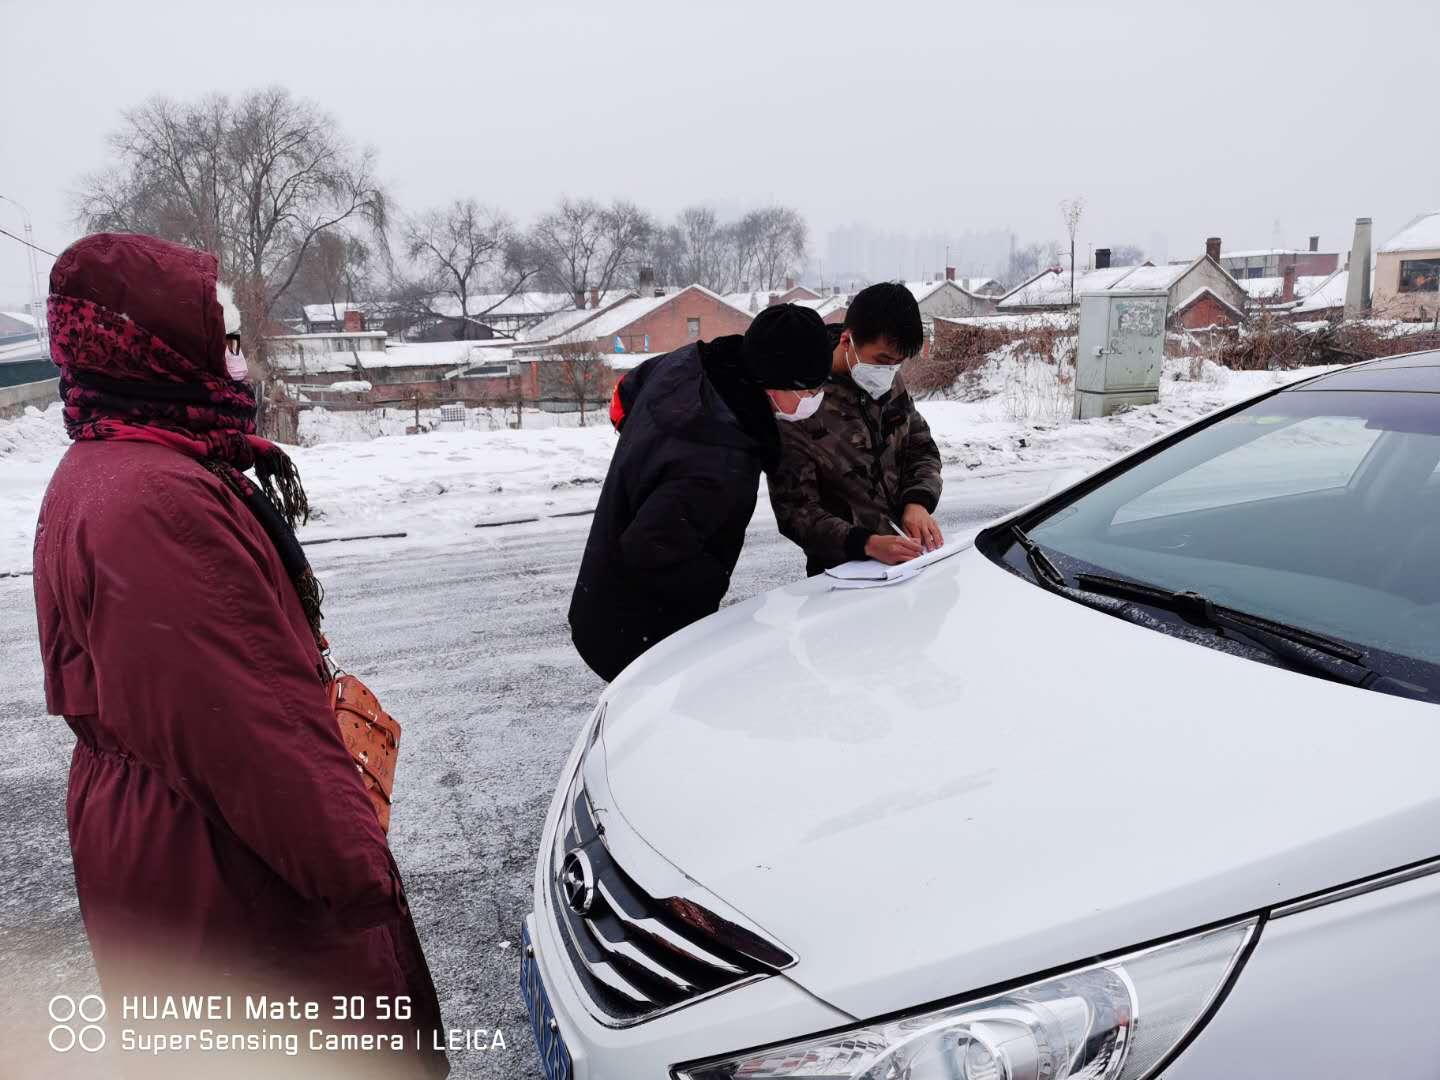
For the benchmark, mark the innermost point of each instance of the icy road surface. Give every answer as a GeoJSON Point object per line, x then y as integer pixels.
{"type": "Point", "coordinates": [469, 647]}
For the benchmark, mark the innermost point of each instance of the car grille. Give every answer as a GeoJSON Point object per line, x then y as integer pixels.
{"type": "Point", "coordinates": [639, 955]}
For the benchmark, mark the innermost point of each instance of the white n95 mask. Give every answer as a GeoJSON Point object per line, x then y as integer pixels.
{"type": "Point", "coordinates": [806, 408]}
{"type": "Point", "coordinates": [875, 379]}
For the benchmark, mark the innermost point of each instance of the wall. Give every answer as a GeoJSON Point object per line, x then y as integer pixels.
{"type": "Point", "coordinates": [954, 302]}
{"type": "Point", "coordinates": [1205, 274]}
{"type": "Point", "coordinates": [1205, 312]}
{"type": "Point", "coordinates": [666, 326]}
{"type": "Point", "coordinates": [14, 400]}
{"type": "Point", "coordinates": [1388, 300]}
{"type": "Point", "coordinates": [315, 344]}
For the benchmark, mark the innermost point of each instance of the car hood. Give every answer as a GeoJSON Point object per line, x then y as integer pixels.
{"type": "Point", "coordinates": [925, 789]}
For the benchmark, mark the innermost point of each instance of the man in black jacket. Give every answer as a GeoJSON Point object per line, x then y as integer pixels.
{"type": "Point", "coordinates": [697, 426]}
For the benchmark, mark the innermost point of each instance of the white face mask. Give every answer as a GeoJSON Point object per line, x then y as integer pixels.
{"type": "Point", "coordinates": [235, 365]}
{"type": "Point", "coordinates": [805, 408]}
{"type": "Point", "coordinates": [875, 379]}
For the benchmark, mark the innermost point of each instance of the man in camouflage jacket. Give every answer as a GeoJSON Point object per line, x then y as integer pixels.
{"type": "Point", "coordinates": [865, 460]}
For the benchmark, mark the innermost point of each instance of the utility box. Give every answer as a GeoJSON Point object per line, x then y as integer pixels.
{"type": "Point", "coordinates": [1120, 348]}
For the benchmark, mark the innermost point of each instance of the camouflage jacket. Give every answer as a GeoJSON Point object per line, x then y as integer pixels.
{"type": "Point", "coordinates": [848, 468]}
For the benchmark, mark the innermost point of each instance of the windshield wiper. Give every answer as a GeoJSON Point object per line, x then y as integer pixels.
{"type": "Point", "coordinates": [1045, 571]}
{"type": "Point", "coordinates": [1297, 646]}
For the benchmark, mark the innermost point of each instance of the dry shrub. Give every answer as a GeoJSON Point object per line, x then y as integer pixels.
{"type": "Point", "coordinates": [953, 368]}
{"type": "Point", "coordinates": [1271, 344]}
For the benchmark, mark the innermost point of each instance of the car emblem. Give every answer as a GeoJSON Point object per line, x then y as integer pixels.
{"type": "Point", "coordinates": [577, 881]}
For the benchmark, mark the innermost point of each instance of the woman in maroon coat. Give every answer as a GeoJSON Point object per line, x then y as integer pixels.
{"type": "Point", "coordinates": [222, 839]}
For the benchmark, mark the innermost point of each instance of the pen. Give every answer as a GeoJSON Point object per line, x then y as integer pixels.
{"type": "Point", "coordinates": [901, 532]}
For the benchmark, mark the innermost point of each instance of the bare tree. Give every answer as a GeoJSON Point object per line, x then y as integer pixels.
{"type": "Point", "coordinates": [709, 248]}
{"type": "Point", "coordinates": [1070, 212]}
{"type": "Point", "coordinates": [256, 181]}
{"type": "Point", "coordinates": [336, 269]}
{"type": "Point", "coordinates": [770, 245]}
{"type": "Point", "coordinates": [582, 245]}
{"type": "Point", "coordinates": [582, 371]}
{"type": "Point", "coordinates": [1127, 255]}
{"type": "Point", "coordinates": [460, 249]}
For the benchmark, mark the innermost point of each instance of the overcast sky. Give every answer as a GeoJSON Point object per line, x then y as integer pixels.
{"type": "Point", "coordinates": [1175, 120]}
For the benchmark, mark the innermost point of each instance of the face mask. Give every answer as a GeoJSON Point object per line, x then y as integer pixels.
{"type": "Point", "coordinates": [235, 365]}
{"type": "Point", "coordinates": [874, 379]}
{"type": "Point", "coordinates": [804, 409]}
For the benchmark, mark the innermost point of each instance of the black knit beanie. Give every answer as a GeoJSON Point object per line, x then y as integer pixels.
{"type": "Point", "coordinates": [787, 348]}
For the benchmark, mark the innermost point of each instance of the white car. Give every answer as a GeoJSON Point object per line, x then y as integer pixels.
{"type": "Point", "coordinates": [1146, 780]}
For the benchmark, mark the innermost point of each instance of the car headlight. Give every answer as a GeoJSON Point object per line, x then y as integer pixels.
{"type": "Point", "coordinates": [1114, 1020]}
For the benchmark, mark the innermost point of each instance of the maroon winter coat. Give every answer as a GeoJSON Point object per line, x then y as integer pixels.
{"type": "Point", "coordinates": [221, 836]}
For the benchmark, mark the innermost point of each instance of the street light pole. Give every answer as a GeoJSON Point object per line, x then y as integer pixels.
{"type": "Point", "coordinates": [42, 330]}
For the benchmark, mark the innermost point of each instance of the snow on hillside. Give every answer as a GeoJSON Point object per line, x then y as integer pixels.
{"type": "Point", "coordinates": [438, 486]}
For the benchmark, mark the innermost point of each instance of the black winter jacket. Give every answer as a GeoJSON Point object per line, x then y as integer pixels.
{"type": "Point", "coordinates": [672, 515]}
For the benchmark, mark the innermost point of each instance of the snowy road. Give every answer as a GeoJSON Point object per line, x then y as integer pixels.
{"type": "Point", "coordinates": [468, 645]}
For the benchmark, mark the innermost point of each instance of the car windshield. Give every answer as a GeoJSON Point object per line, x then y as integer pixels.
{"type": "Point", "coordinates": [1317, 509]}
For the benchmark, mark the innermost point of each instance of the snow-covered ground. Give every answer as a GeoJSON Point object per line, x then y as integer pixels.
{"type": "Point", "coordinates": [438, 486]}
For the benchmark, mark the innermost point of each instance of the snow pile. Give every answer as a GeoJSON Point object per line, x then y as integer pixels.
{"type": "Point", "coordinates": [33, 436]}
{"type": "Point", "coordinates": [321, 425]}
{"type": "Point", "coordinates": [983, 439]}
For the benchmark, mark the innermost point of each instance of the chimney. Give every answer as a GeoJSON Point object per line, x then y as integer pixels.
{"type": "Point", "coordinates": [1102, 258]}
{"type": "Point", "coordinates": [1212, 247]}
{"type": "Point", "coordinates": [1287, 290]}
{"type": "Point", "coordinates": [1357, 289]}
{"type": "Point", "coordinates": [580, 299]}
{"type": "Point", "coordinates": [949, 273]}
{"type": "Point", "coordinates": [774, 299]}
{"type": "Point", "coordinates": [647, 280]}
{"type": "Point", "coordinates": [354, 321]}
{"type": "Point", "coordinates": [594, 297]}
{"type": "Point", "coordinates": [1314, 243]}
{"type": "Point", "coordinates": [789, 283]}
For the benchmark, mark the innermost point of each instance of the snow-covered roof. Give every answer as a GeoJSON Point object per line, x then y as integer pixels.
{"type": "Point", "coordinates": [1052, 286]}
{"type": "Point", "coordinates": [1270, 288]}
{"type": "Point", "coordinates": [1329, 294]}
{"type": "Point", "coordinates": [499, 305]}
{"type": "Point", "coordinates": [336, 312]}
{"type": "Point", "coordinates": [1264, 253]}
{"type": "Point", "coordinates": [823, 305]}
{"type": "Point", "coordinates": [19, 316]}
{"type": "Point", "coordinates": [1422, 234]}
{"type": "Point", "coordinates": [397, 355]}
{"type": "Point", "coordinates": [981, 286]}
{"type": "Point", "coordinates": [617, 318]}
{"type": "Point", "coordinates": [562, 322]}
{"type": "Point", "coordinates": [923, 290]}
{"type": "Point", "coordinates": [1152, 277]}
{"type": "Point", "coordinates": [628, 361]}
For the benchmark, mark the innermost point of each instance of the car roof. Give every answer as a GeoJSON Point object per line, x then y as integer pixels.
{"type": "Point", "coordinates": [1411, 373]}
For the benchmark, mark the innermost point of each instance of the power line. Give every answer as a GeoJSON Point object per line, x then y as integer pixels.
{"type": "Point", "coordinates": [28, 244]}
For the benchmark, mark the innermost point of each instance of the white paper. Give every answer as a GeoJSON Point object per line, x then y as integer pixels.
{"type": "Point", "coordinates": [869, 574]}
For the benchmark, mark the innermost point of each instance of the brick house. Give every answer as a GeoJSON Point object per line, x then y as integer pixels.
{"type": "Point", "coordinates": [590, 355]}
{"type": "Point", "coordinates": [1205, 309]}
{"type": "Point", "coordinates": [1273, 262]}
